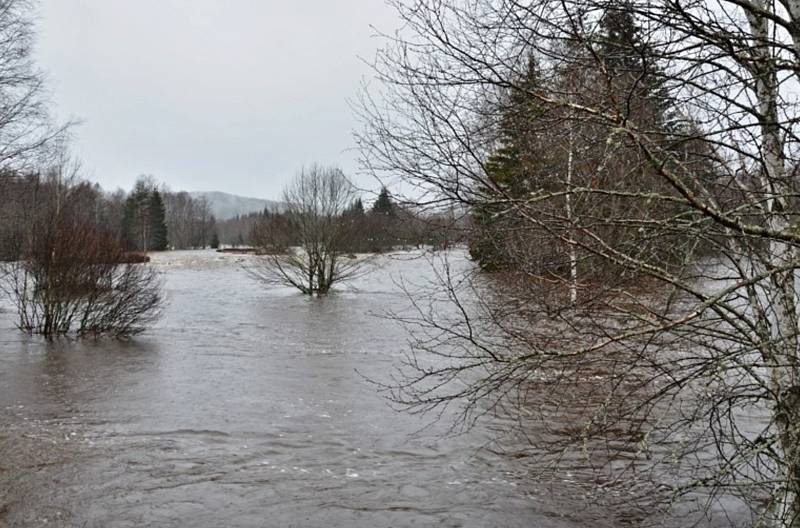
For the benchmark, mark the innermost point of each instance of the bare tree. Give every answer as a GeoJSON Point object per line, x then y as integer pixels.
{"type": "Point", "coordinates": [677, 327]}
{"type": "Point", "coordinates": [314, 205]}
{"type": "Point", "coordinates": [27, 135]}
{"type": "Point", "coordinates": [25, 127]}
{"type": "Point", "coordinates": [73, 276]}
{"type": "Point", "coordinates": [190, 222]}
{"type": "Point", "coordinates": [271, 233]}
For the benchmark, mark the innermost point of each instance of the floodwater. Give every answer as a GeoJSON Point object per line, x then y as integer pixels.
{"type": "Point", "coordinates": [247, 405]}
{"type": "Point", "coordinates": [251, 406]}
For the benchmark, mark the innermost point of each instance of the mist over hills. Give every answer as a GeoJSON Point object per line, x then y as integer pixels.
{"type": "Point", "coordinates": [225, 205]}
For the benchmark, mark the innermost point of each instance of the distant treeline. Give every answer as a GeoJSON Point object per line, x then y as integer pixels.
{"type": "Point", "coordinates": [148, 218]}
{"type": "Point", "coordinates": [384, 226]}
{"type": "Point", "coordinates": [152, 218]}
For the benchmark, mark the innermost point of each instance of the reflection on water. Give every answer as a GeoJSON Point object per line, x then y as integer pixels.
{"type": "Point", "coordinates": [245, 406]}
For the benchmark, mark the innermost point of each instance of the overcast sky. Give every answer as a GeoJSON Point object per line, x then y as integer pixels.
{"type": "Point", "coordinates": [230, 95]}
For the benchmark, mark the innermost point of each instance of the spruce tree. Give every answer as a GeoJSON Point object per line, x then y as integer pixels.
{"type": "Point", "coordinates": [632, 64]}
{"type": "Point", "coordinates": [356, 233]}
{"type": "Point", "coordinates": [136, 220]}
{"type": "Point", "coordinates": [531, 155]}
{"type": "Point", "coordinates": [513, 170]}
{"type": "Point", "coordinates": [384, 221]}
{"type": "Point", "coordinates": [128, 236]}
{"type": "Point", "coordinates": [357, 209]}
{"type": "Point", "coordinates": [383, 205]}
{"type": "Point", "coordinates": [157, 219]}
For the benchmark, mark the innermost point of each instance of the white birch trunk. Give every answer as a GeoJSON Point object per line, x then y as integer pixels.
{"type": "Point", "coordinates": [573, 258]}
{"type": "Point", "coordinates": [781, 353]}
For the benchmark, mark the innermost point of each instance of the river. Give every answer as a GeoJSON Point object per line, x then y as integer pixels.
{"type": "Point", "coordinates": [247, 405]}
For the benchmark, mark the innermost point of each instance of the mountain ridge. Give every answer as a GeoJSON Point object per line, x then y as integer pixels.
{"type": "Point", "coordinates": [226, 205]}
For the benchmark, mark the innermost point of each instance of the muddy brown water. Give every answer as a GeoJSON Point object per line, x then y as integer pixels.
{"type": "Point", "coordinates": [246, 406]}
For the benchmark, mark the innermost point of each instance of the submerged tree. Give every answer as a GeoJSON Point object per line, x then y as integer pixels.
{"type": "Point", "coordinates": [315, 203]}
{"type": "Point", "coordinates": [679, 362]}
{"type": "Point", "coordinates": [73, 276]}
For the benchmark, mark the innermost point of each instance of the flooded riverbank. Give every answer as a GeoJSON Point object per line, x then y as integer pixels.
{"type": "Point", "coordinates": [250, 405]}
{"type": "Point", "coordinates": [245, 406]}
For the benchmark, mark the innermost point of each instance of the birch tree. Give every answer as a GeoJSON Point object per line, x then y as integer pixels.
{"type": "Point", "coordinates": [683, 348]}
{"type": "Point", "coordinates": [27, 135]}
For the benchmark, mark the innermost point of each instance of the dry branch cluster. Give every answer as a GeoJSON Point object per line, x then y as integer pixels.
{"type": "Point", "coordinates": [71, 276]}
{"type": "Point", "coordinates": [632, 168]}
{"type": "Point", "coordinates": [62, 270]}
{"type": "Point", "coordinates": [306, 243]}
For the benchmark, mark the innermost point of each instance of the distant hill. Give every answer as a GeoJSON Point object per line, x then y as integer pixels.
{"type": "Point", "coordinates": [224, 205]}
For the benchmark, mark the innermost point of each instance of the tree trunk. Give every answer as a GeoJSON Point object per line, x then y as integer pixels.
{"type": "Point", "coordinates": [782, 350]}
{"type": "Point", "coordinates": [573, 259]}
